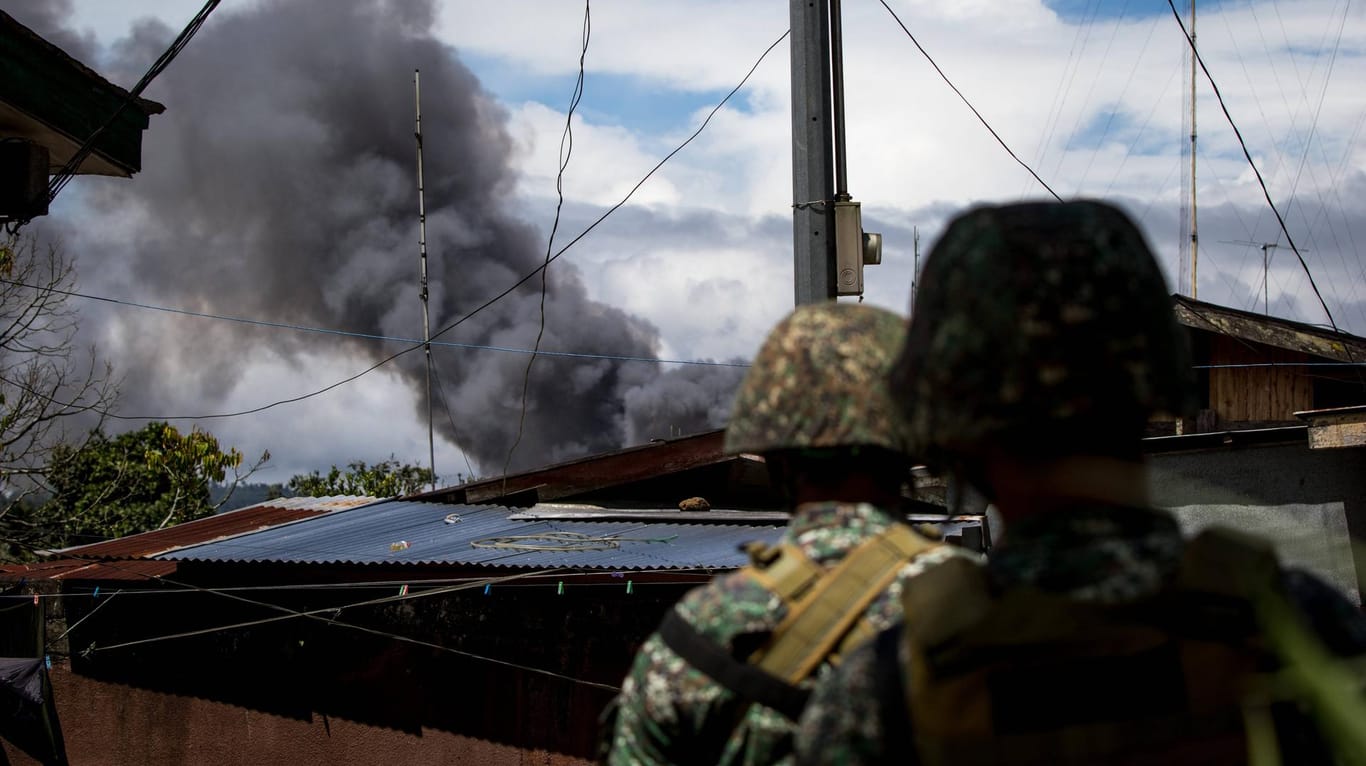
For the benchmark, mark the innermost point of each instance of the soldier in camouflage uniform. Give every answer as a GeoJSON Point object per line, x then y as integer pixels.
{"type": "Point", "coordinates": [815, 405]}
{"type": "Point", "coordinates": [1043, 339]}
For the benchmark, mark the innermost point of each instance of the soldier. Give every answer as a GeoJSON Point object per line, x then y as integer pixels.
{"type": "Point", "coordinates": [725, 677]}
{"type": "Point", "coordinates": [1043, 340]}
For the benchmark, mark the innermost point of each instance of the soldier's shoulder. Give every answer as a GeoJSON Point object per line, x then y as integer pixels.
{"type": "Point", "coordinates": [729, 605]}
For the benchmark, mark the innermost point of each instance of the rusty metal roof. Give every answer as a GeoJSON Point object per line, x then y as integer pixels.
{"type": "Point", "coordinates": [136, 570]}
{"type": "Point", "coordinates": [409, 532]}
{"type": "Point", "coordinates": [252, 518]}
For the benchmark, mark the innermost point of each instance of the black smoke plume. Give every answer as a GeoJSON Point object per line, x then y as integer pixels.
{"type": "Point", "coordinates": [280, 184]}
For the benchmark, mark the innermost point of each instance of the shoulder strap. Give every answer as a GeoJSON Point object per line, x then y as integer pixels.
{"type": "Point", "coordinates": [814, 626]}
{"type": "Point", "coordinates": [785, 570]}
{"type": "Point", "coordinates": [745, 680]}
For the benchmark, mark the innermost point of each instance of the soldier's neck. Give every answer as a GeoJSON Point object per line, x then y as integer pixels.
{"type": "Point", "coordinates": [1029, 488]}
{"type": "Point", "coordinates": [854, 488]}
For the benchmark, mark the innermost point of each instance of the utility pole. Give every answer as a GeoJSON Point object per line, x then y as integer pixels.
{"type": "Point", "coordinates": [915, 267]}
{"type": "Point", "coordinates": [830, 245]}
{"type": "Point", "coordinates": [1195, 236]}
{"type": "Point", "coordinates": [422, 256]}
{"type": "Point", "coordinates": [813, 175]}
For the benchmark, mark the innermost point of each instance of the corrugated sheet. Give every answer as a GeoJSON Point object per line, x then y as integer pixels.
{"type": "Point", "coordinates": [249, 519]}
{"type": "Point", "coordinates": [407, 532]}
{"type": "Point", "coordinates": [138, 570]}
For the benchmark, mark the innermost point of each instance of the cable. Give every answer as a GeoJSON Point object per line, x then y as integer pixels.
{"type": "Point", "coordinates": [64, 175]}
{"type": "Point", "coordinates": [318, 614]}
{"type": "Point", "coordinates": [445, 405]}
{"type": "Point", "coordinates": [349, 334]}
{"type": "Point", "coordinates": [1262, 182]}
{"type": "Point", "coordinates": [566, 151]}
{"type": "Point", "coordinates": [506, 291]}
{"type": "Point", "coordinates": [980, 118]}
{"type": "Point", "coordinates": [385, 584]}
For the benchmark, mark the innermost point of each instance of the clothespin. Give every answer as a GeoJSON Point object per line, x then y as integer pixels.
{"type": "Point", "coordinates": [486, 588]}
{"type": "Point", "coordinates": [35, 599]}
{"type": "Point", "coordinates": [559, 591]}
{"type": "Point", "coordinates": [403, 591]}
{"type": "Point", "coordinates": [96, 594]}
{"type": "Point", "coordinates": [628, 587]}
{"type": "Point", "coordinates": [47, 660]}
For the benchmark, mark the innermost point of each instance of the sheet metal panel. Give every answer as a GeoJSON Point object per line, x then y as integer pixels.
{"type": "Point", "coordinates": [408, 532]}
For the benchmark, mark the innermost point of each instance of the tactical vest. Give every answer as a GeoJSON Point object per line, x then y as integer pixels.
{"type": "Point", "coordinates": [1029, 677]}
{"type": "Point", "coordinates": [825, 616]}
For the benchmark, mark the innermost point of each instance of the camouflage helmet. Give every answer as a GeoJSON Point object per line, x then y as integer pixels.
{"type": "Point", "coordinates": [820, 381]}
{"type": "Point", "coordinates": [1041, 321]}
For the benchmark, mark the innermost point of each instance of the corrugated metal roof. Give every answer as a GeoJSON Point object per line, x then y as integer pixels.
{"type": "Point", "coordinates": [137, 570]}
{"type": "Point", "coordinates": [249, 519]}
{"type": "Point", "coordinates": [408, 532]}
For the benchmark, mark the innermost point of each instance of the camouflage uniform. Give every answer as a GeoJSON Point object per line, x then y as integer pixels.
{"type": "Point", "coordinates": [1037, 326]}
{"type": "Point", "coordinates": [670, 712]}
{"type": "Point", "coordinates": [817, 385]}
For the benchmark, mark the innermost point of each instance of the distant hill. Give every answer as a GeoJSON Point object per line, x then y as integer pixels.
{"type": "Point", "coordinates": [245, 494]}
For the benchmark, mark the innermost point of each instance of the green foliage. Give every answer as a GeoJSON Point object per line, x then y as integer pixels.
{"type": "Point", "coordinates": [133, 482]}
{"type": "Point", "coordinates": [387, 478]}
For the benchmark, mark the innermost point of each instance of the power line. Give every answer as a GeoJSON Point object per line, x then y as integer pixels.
{"type": "Point", "coordinates": [319, 614]}
{"type": "Point", "coordinates": [445, 405]}
{"type": "Point", "coordinates": [63, 176]}
{"type": "Point", "coordinates": [566, 151]}
{"type": "Point", "coordinates": [510, 288]}
{"type": "Point", "coordinates": [1262, 182]}
{"type": "Point", "coordinates": [335, 611]}
{"type": "Point", "coordinates": [362, 335]}
{"type": "Point", "coordinates": [965, 100]}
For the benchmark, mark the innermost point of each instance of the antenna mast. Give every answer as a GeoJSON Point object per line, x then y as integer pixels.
{"type": "Point", "coordinates": [915, 269]}
{"type": "Point", "coordinates": [1195, 236]}
{"type": "Point", "coordinates": [422, 255]}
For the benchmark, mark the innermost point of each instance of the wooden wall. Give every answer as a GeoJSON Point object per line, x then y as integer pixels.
{"type": "Point", "coordinates": [1257, 394]}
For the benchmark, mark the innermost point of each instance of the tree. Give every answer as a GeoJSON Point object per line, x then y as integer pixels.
{"type": "Point", "coordinates": [133, 482]}
{"type": "Point", "coordinates": [387, 478]}
{"type": "Point", "coordinates": [48, 390]}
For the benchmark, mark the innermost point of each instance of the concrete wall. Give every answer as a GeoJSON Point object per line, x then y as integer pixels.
{"type": "Point", "coordinates": [1304, 498]}
{"type": "Point", "coordinates": [304, 691]}
{"type": "Point", "coordinates": [108, 723]}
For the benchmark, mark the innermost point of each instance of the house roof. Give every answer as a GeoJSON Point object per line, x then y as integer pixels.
{"type": "Point", "coordinates": [50, 98]}
{"type": "Point", "coordinates": [252, 518]}
{"type": "Point", "coordinates": [415, 532]}
{"type": "Point", "coordinates": [128, 558]}
{"type": "Point", "coordinates": [1272, 331]}
{"type": "Point", "coordinates": [634, 475]}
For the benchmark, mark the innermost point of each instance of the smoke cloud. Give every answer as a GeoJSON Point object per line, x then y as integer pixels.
{"type": "Point", "coordinates": [280, 184]}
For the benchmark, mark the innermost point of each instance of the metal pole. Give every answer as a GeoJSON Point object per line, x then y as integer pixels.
{"type": "Point", "coordinates": [915, 268]}
{"type": "Point", "coordinates": [813, 215]}
{"type": "Point", "coordinates": [422, 254]}
{"type": "Point", "coordinates": [837, 100]}
{"type": "Point", "coordinates": [1195, 236]}
{"type": "Point", "coordinates": [1266, 279]}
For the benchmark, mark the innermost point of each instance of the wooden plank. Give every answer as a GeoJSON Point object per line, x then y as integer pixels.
{"type": "Point", "coordinates": [1271, 331]}
{"type": "Point", "coordinates": [1257, 394]}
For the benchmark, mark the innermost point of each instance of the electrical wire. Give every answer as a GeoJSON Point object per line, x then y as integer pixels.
{"type": "Point", "coordinates": [63, 176]}
{"type": "Point", "coordinates": [1247, 154]}
{"type": "Point", "coordinates": [349, 334]}
{"type": "Point", "coordinates": [965, 100]}
{"type": "Point", "coordinates": [566, 151]}
{"type": "Point", "coordinates": [504, 293]}
{"type": "Point", "coordinates": [334, 611]}
{"type": "Point", "coordinates": [696, 572]}
{"type": "Point", "coordinates": [450, 416]}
